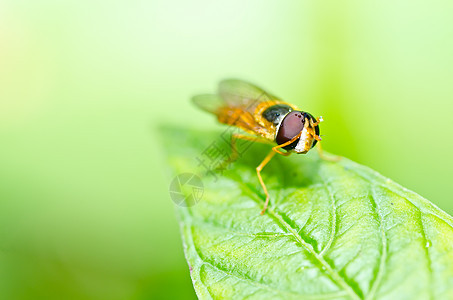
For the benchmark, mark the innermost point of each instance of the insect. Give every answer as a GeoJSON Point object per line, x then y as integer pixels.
{"type": "Point", "coordinates": [265, 117]}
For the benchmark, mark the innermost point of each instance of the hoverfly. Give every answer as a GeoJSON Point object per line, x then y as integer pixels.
{"type": "Point", "coordinates": [265, 117]}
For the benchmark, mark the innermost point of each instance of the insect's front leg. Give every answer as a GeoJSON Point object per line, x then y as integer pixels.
{"type": "Point", "coordinates": [318, 139]}
{"type": "Point", "coordinates": [258, 172]}
{"type": "Point", "coordinates": [277, 148]}
{"type": "Point", "coordinates": [264, 163]}
{"type": "Point", "coordinates": [318, 120]}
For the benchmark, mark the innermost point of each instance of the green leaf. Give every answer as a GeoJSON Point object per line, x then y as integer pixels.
{"type": "Point", "coordinates": [333, 230]}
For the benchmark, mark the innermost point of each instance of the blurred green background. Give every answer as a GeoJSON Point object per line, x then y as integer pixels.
{"type": "Point", "coordinates": [84, 207]}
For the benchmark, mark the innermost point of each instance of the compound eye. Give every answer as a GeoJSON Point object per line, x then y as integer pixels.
{"type": "Point", "coordinates": [292, 125]}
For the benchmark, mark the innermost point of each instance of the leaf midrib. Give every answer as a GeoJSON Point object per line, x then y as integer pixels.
{"type": "Point", "coordinates": [334, 275]}
{"type": "Point", "coordinates": [383, 258]}
{"type": "Point", "coordinates": [333, 295]}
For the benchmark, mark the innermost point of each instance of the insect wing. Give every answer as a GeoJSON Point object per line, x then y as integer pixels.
{"type": "Point", "coordinates": [233, 93]}
{"type": "Point", "coordinates": [209, 102]}
{"type": "Point", "coordinates": [238, 93]}
{"type": "Point", "coordinates": [235, 104]}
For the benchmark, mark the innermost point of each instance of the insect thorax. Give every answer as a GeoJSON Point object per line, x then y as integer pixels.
{"type": "Point", "coordinates": [275, 113]}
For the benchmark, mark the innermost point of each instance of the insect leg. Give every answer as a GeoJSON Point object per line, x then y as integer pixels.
{"type": "Point", "coordinates": [276, 148]}
{"type": "Point", "coordinates": [258, 172]}
{"type": "Point", "coordinates": [266, 160]}
{"type": "Point", "coordinates": [318, 120]}
{"type": "Point", "coordinates": [312, 131]}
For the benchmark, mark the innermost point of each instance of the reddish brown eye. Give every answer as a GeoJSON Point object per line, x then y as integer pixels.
{"type": "Point", "coordinates": [292, 125]}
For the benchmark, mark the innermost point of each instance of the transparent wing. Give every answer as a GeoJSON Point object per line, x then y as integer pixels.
{"type": "Point", "coordinates": [236, 92]}
{"type": "Point", "coordinates": [210, 103]}
{"type": "Point", "coordinates": [235, 104]}
{"type": "Point", "coordinates": [233, 93]}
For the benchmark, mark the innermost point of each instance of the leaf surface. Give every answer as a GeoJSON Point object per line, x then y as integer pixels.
{"type": "Point", "coordinates": [333, 230]}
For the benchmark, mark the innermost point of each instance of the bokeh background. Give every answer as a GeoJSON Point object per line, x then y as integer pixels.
{"type": "Point", "coordinates": [84, 207]}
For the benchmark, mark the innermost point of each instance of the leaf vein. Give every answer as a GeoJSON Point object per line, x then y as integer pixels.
{"type": "Point", "coordinates": [428, 258]}
{"type": "Point", "coordinates": [325, 265]}
{"type": "Point", "coordinates": [334, 219]}
{"type": "Point", "coordinates": [383, 258]}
